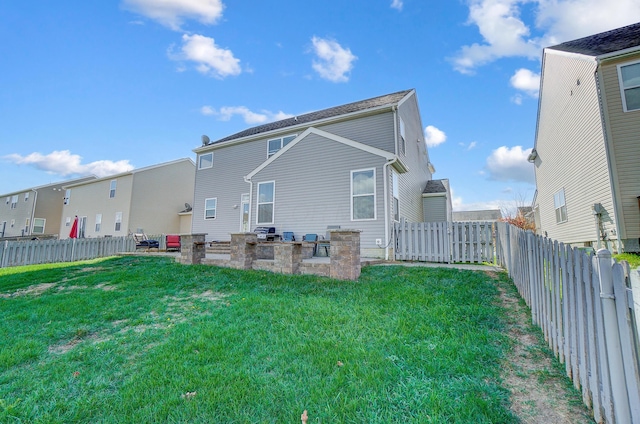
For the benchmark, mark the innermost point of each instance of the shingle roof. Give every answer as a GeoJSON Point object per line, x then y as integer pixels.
{"type": "Point", "coordinates": [434, 186]}
{"type": "Point", "coordinates": [605, 42]}
{"type": "Point", "coordinates": [387, 99]}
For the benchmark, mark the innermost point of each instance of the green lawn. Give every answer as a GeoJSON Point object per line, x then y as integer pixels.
{"type": "Point", "coordinates": [139, 339]}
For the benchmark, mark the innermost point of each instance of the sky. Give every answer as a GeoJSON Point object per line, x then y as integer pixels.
{"type": "Point", "coordinates": [99, 88]}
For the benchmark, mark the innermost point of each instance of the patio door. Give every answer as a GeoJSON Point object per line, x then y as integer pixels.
{"type": "Point", "coordinates": [82, 224]}
{"type": "Point", "coordinates": [244, 207]}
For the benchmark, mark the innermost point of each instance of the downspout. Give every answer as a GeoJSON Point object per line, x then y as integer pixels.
{"type": "Point", "coordinates": [609, 153]}
{"type": "Point", "coordinates": [385, 168]}
{"type": "Point", "coordinates": [248, 180]}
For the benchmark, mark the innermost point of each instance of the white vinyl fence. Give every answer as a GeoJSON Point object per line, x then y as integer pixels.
{"type": "Point", "coordinates": [31, 252]}
{"type": "Point", "coordinates": [444, 242]}
{"type": "Point", "coordinates": [584, 306]}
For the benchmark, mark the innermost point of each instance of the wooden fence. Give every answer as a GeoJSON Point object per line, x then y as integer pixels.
{"type": "Point", "coordinates": [445, 242]}
{"type": "Point", "coordinates": [584, 305]}
{"type": "Point", "coordinates": [31, 252]}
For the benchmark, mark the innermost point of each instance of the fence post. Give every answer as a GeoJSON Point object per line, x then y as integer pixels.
{"type": "Point", "coordinates": [612, 338]}
{"type": "Point", "coordinates": [509, 253]}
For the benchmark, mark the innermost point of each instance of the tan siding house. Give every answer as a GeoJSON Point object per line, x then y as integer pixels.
{"type": "Point", "coordinates": [587, 144]}
{"type": "Point", "coordinates": [34, 212]}
{"type": "Point", "coordinates": [149, 200]}
{"type": "Point", "coordinates": [361, 166]}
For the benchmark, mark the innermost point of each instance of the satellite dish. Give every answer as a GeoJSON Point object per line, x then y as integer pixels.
{"type": "Point", "coordinates": [205, 140]}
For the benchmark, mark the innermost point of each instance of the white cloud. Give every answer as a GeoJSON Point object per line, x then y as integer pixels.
{"type": "Point", "coordinates": [210, 59]}
{"type": "Point", "coordinates": [171, 13]}
{"type": "Point", "coordinates": [225, 113]}
{"type": "Point", "coordinates": [62, 162]}
{"type": "Point", "coordinates": [510, 164]}
{"type": "Point", "coordinates": [397, 4]}
{"type": "Point", "coordinates": [333, 62]}
{"type": "Point", "coordinates": [527, 81]}
{"type": "Point", "coordinates": [505, 34]}
{"type": "Point", "coordinates": [433, 136]}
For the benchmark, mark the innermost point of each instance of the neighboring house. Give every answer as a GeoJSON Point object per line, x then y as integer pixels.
{"type": "Point", "coordinates": [33, 212]}
{"type": "Point", "coordinates": [491, 215]}
{"type": "Point", "coordinates": [436, 201]}
{"type": "Point", "coordinates": [150, 200]}
{"type": "Point", "coordinates": [361, 166]}
{"type": "Point", "coordinates": [587, 147]}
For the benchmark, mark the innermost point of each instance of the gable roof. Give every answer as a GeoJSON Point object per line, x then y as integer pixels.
{"type": "Point", "coordinates": [390, 157]}
{"type": "Point", "coordinates": [385, 100]}
{"type": "Point", "coordinates": [605, 42]}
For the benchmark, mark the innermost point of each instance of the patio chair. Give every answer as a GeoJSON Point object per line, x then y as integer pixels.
{"type": "Point", "coordinates": [288, 236]}
{"type": "Point", "coordinates": [143, 242]}
{"type": "Point", "coordinates": [173, 242]}
{"type": "Point", "coordinates": [326, 241]}
{"type": "Point", "coordinates": [311, 238]}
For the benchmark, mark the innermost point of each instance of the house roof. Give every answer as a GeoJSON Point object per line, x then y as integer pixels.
{"type": "Point", "coordinates": [387, 99]}
{"type": "Point", "coordinates": [606, 42]}
{"type": "Point", "coordinates": [434, 186]}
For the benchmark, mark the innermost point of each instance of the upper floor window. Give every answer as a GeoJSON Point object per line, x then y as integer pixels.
{"type": "Point", "coordinates": [403, 138]}
{"type": "Point", "coordinates": [26, 196]}
{"type": "Point", "coordinates": [560, 206]}
{"type": "Point", "coordinates": [276, 144]}
{"type": "Point", "coordinates": [629, 76]}
{"type": "Point", "coordinates": [363, 194]}
{"type": "Point", "coordinates": [205, 161]}
{"type": "Point", "coordinates": [14, 201]}
{"type": "Point", "coordinates": [266, 202]}
{"type": "Point", "coordinates": [67, 196]}
{"type": "Point", "coordinates": [112, 189]}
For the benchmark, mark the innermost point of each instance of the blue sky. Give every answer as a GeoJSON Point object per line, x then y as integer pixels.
{"type": "Point", "coordinates": [104, 87]}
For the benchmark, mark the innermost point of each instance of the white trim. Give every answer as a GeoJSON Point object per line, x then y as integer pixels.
{"type": "Point", "coordinates": [273, 203]}
{"type": "Point", "coordinates": [215, 209]}
{"type": "Point", "coordinates": [200, 161]}
{"type": "Point", "coordinates": [351, 196]}
{"type": "Point", "coordinates": [248, 202]}
{"type": "Point", "coordinates": [621, 84]}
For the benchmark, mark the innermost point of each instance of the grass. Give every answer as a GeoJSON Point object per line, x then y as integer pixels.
{"type": "Point", "coordinates": [139, 339]}
{"type": "Point", "coordinates": [632, 258]}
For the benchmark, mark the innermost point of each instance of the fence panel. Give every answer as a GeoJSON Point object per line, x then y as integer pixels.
{"type": "Point", "coordinates": [584, 306]}
{"type": "Point", "coordinates": [32, 252]}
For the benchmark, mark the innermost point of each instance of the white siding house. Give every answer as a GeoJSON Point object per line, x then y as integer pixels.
{"type": "Point", "coordinates": [358, 166]}
{"type": "Point", "coordinates": [587, 143]}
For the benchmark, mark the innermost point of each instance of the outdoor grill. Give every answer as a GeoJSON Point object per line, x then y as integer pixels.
{"type": "Point", "coordinates": [266, 233]}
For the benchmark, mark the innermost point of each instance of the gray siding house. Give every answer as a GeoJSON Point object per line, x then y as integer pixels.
{"type": "Point", "coordinates": [34, 212]}
{"type": "Point", "coordinates": [587, 143]}
{"type": "Point", "coordinates": [361, 166]}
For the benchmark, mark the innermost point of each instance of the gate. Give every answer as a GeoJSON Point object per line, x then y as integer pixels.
{"type": "Point", "coordinates": [444, 242]}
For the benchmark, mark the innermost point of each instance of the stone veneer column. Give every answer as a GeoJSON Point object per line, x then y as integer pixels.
{"type": "Point", "coordinates": [345, 254]}
{"type": "Point", "coordinates": [192, 248]}
{"type": "Point", "coordinates": [243, 250]}
{"type": "Point", "coordinates": [287, 257]}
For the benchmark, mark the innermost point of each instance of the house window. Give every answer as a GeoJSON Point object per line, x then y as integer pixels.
{"type": "Point", "coordinates": [210, 206]}
{"type": "Point", "coordinates": [629, 76]}
{"type": "Point", "coordinates": [112, 189]}
{"type": "Point", "coordinates": [266, 202]}
{"type": "Point", "coordinates": [98, 222]}
{"type": "Point", "coordinates": [67, 222]}
{"type": "Point", "coordinates": [205, 161]}
{"type": "Point", "coordinates": [14, 201]}
{"type": "Point", "coordinates": [13, 223]}
{"type": "Point", "coordinates": [67, 196]}
{"type": "Point", "coordinates": [118, 221]}
{"type": "Point", "coordinates": [363, 194]}
{"type": "Point", "coordinates": [27, 224]}
{"type": "Point", "coordinates": [560, 206]}
{"type": "Point", "coordinates": [396, 197]}
{"type": "Point", "coordinates": [26, 196]}
{"type": "Point", "coordinates": [276, 144]}
{"type": "Point", "coordinates": [38, 225]}
{"type": "Point", "coordinates": [8, 199]}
